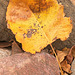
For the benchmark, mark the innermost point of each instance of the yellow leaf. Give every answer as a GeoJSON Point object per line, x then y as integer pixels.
{"type": "Point", "coordinates": [37, 23]}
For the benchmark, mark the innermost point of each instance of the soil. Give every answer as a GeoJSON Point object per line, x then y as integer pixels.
{"type": "Point", "coordinates": [69, 9]}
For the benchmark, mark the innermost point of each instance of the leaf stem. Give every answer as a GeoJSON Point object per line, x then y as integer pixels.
{"type": "Point", "coordinates": [57, 59]}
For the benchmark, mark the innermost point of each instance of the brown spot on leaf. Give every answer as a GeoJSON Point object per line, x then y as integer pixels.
{"type": "Point", "coordinates": [41, 26]}
{"type": "Point", "coordinates": [38, 25]}
{"type": "Point", "coordinates": [19, 27]}
{"type": "Point", "coordinates": [38, 16]}
{"type": "Point", "coordinates": [34, 24]}
{"type": "Point", "coordinates": [33, 30]}
{"type": "Point", "coordinates": [40, 5]}
{"type": "Point", "coordinates": [30, 32]}
{"type": "Point", "coordinates": [24, 35]}
{"type": "Point", "coordinates": [15, 33]}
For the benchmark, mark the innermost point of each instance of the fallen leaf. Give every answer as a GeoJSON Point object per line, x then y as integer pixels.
{"type": "Point", "coordinates": [65, 56]}
{"type": "Point", "coordinates": [70, 55]}
{"type": "Point", "coordinates": [15, 48]}
{"type": "Point", "coordinates": [73, 51]}
{"type": "Point", "coordinates": [5, 44]}
{"type": "Point", "coordinates": [66, 49]}
{"type": "Point", "coordinates": [61, 54]}
{"type": "Point", "coordinates": [37, 23]}
{"type": "Point", "coordinates": [65, 74]}
{"type": "Point", "coordinates": [66, 67]}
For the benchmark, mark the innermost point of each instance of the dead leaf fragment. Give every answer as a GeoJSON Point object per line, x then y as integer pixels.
{"type": "Point", "coordinates": [37, 23]}
{"type": "Point", "coordinates": [70, 55]}
{"type": "Point", "coordinates": [73, 51]}
{"type": "Point", "coordinates": [16, 48]}
{"type": "Point", "coordinates": [65, 57]}
{"type": "Point", "coordinates": [66, 67]}
{"type": "Point", "coordinates": [5, 44]}
{"type": "Point", "coordinates": [61, 54]}
{"type": "Point", "coordinates": [65, 74]}
{"type": "Point", "coordinates": [51, 52]}
{"type": "Point", "coordinates": [69, 58]}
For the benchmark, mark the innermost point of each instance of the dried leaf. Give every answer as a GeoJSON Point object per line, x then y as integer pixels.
{"type": "Point", "coordinates": [51, 52]}
{"type": "Point", "coordinates": [65, 74]}
{"type": "Point", "coordinates": [37, 23]}
{"type": "Point", "coordinates": [61, 54]}
{"type": "Point", "coordinates": [69, 58]}
{"type": "Point", "coordinates": [73, 51]}
{"type": "Point", "coordinates": [16, 48]}
{"type": "Point", "coordinates": [66, 67]}
{"type": "Point", "coordinates": [70, 55]}
{"type": "Point", "coordinates": [66, 50]}
{"type": "Point", "coordinates": [5, 44]}
{"type": "Point", "coordinates": [66, 57]}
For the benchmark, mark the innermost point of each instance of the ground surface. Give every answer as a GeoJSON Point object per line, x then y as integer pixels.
{"type": "Point", "coordinates": [69, 9]}
{"type": "Point", "coordinates": [5, 34]}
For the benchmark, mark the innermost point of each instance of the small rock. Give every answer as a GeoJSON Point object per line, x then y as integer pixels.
{"type": "Point", "coordinates": [73, 67]}
{"type": "Point", "coordinates": [4, 52]}
{"type": "Point", "coordinates": [5, 33]}
{"type": "Point", "coordinates": [27, 64]}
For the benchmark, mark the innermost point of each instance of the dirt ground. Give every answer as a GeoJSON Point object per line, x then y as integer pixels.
{"type": "Point", "coordinates": [69, 9]}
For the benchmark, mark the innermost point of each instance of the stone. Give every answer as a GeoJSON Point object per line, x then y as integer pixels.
{"type": "Point", "coordinates": [5, 33]}
{"type": "Point", "coordinates": [73, 67]}
{"type": "Point", "coordinates": [27, 64]}
{"type": "Point", "coordinates": [4, 52]}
